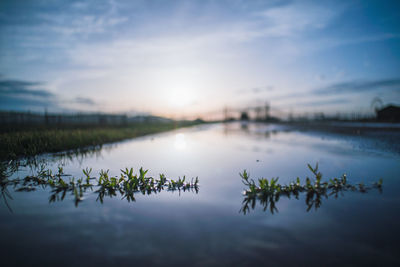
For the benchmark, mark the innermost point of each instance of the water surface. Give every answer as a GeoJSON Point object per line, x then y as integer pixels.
{"type": "Point", "coordinates": [207, 228]}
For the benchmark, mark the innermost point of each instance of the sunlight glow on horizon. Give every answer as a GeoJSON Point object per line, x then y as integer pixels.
{"type": "Point", "coordinates": [193, 58]}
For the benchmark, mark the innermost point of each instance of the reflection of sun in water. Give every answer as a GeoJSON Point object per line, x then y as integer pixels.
{"type": "Point", "coordinates": [180, 141]}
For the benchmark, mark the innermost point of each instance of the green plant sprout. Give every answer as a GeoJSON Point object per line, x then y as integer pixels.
{"type": "Point", "coordinates": [126, 184]}
{"type": "Point", "coordinates": [268, 192]}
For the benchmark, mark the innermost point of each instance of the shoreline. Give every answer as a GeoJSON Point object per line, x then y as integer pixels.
{"type": "Point", "coordinates": [32, 142]}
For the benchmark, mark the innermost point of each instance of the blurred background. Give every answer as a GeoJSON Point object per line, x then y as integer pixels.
{"type": "Point", "coordinates": [214, 60]}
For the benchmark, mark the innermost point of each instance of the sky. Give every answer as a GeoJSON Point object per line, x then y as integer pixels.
{"type": "Point", "coordinates": [193, 58]}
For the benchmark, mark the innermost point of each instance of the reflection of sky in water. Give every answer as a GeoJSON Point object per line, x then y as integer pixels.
{"type": "Point", "coordinates": [207, 227]}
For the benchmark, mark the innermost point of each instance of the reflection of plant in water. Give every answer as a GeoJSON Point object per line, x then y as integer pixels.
{"type": "Point", "coordinates": [268, 192]}
{"type": "Point", "coordinates": [6, 170]}
{"type": "Point", "coordinates": [63, 158]}
{"type": "Point", "coordinates": [126, 184]}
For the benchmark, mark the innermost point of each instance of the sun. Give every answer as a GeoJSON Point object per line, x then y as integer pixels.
{"type": "Point", "coordinates": [180, 99]}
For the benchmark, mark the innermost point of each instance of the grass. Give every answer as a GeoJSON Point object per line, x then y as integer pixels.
{"type": "Point", "coordinates": [126, 184]}
{"type": "Point", "coordinates": [268, 192]}
{"type": "Point", "coordinates": [33, 141]}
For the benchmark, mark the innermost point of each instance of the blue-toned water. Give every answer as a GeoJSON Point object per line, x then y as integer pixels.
{"type": "Point", "coordinates": [207, 228]}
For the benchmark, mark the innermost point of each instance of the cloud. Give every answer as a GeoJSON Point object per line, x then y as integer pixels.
{"type": "Point", "coordinates": [289, 20]}
{"type": "Point", "coordinates": [25, 104]}
{"type": "Point", "coordinates": [24, 95]}
{"type": "Point", "coordinates": [324, 102]}
{"type": "Point", "coordinates": [256, 90]}
{"type": "Point", "coordinates": [135, 53]}
{"type": "Point", "coordinates": [359, 87]}
{"type": "Point", "coordinates": [84, 101]}
{"type": "Point", "coordinates": [22, 88]}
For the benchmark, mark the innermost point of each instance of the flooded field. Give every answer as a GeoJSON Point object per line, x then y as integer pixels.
{"type": "Point", "coordinates": [209, 227]}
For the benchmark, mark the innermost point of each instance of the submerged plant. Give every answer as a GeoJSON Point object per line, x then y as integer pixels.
{"type": "Point", "coordinates": [268, 192]}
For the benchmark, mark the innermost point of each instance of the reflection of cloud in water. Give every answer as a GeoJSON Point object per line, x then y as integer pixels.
{"type": "Point", "coordinates": [269, 137]}
{"type": "Point", "coordinates": [211, 218]}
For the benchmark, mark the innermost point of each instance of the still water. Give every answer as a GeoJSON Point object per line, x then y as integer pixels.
{"type": "Point", "coordinates": [207, 228]}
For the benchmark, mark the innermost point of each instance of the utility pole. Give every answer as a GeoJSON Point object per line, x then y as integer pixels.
{"type": "Point", "coordinates": [267, 110]}
{"type": "Point", "coordinates": [225, 111]}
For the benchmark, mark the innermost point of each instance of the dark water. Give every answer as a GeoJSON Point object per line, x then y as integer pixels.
{"type": "Point", "coordinates": [181, 229]}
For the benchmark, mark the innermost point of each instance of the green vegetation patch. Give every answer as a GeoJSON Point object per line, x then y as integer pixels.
{"type": "Point", "coordinates": [34, 141]}
{"type": "Point", "coordinates": [269, 192]}
{"type": "Point", "coordinates": [126, 184]}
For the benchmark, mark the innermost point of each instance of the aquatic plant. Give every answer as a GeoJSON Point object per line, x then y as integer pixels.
{"type": "Point", "coordinates": [268, 192]}
{"type": "Point", "coordinates": [126, 184]}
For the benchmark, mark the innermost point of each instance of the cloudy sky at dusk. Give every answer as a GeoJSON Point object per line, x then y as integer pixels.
{"type": "Point", "coordinates": [187, 58]}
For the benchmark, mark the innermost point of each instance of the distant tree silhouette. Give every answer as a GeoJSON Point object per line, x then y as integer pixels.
{"type": "Point", "coordinates": [244, 116]}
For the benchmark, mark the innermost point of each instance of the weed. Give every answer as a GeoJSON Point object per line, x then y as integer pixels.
{"type": "Point", "coordinates": [126, 184]}
{"type": "Point", "coordinates": [268, 192]}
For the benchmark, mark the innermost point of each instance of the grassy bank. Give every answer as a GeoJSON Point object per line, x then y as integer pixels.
{"type": "Point", "coordinates": [33, 141]}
